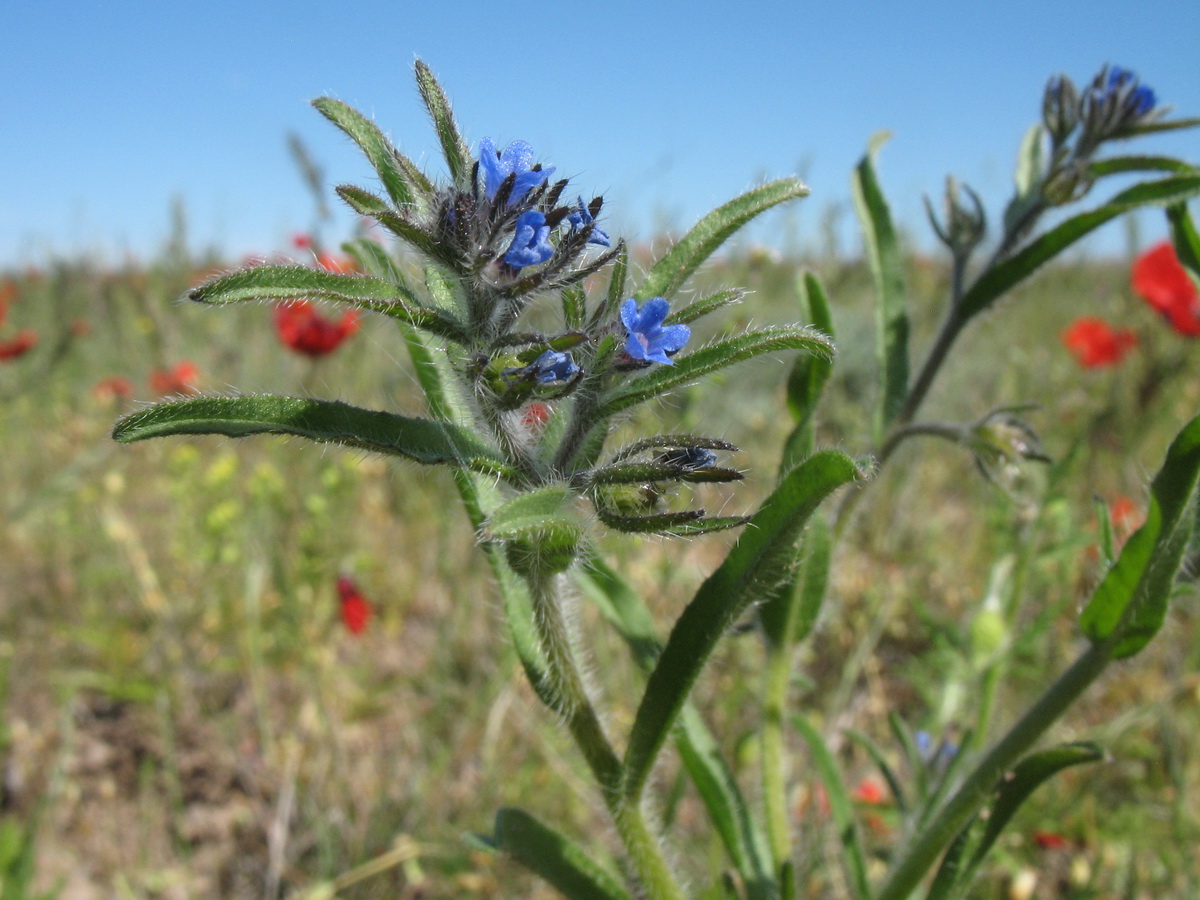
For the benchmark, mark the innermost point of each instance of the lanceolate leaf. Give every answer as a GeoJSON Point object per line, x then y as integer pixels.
{"type": "Point", "coordinates": [1015, 788]}
{"type": "Point", "coordinates": [327, 421]}
{"type": "Point", "coordinates": [809, 374]}
{"type": "Point", "coordinates": [1120, 164]}
{"type": "Point", "coordinates": [375, 261]}
{"type": "Point", "coordinates": [661, 379]}
{"type": "Point", "coordinates": [703, 307]}
{"type": "Point", "coordinates": [1131, 602]}
{"type": "Point", "coordinates": [670, 272]}
{"type": "Point", "coordinates": [280, 283]}
{"type": "Point", "coordinates": [730, 814]}
{"type": "Point", "coordinates": [401, 179]}
{"type": "Point", "coordinates": [790, 612]}
{"type": "Point", "coordinates": [757, 563]}
{"type": "Point", "coordinates": [1186, 238]}
{"type": "Point", "coordinates": [454, 148]}
{"type": "Point", "coordinates": [887, 268]}
{"type": "Point", "coordinates": [1004, 277]}
{"type": "Point", "coordinates": [555, 858]}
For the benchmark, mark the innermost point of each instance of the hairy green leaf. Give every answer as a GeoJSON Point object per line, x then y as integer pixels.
{"type": "Point", "coordinates": [809, 374]}
{"type": "Point", "coordinates": [759, 561]}
{"type": "Point", "coordinates": [282, 283]}
{"type": "Point", "coordinates": [997, 281]}
{"type": "Point", "coordinates": [669, 273]}
{"type": "Point", "coordinates": [401, 178]}
{"type": "Point", "coordinates": [555, 858]}
{"type": "Point", "coordinates": [887, 269]}
{"type": "Point", "coordinates": [422, 440]}
{"type": "Point", "coordinates": [703, 307]}
{"type": "Point", "coordinates": [661, 379]}
{"type": "Point", "coordinates": [1131, 602]}
{"type": "Point", "coordinates": [1186, 238]}
{"type": "Point", "coordinates": [454, 148]}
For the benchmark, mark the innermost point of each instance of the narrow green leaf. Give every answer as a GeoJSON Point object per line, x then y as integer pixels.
{"type": "Point", "coordinates": [1015, 788]}
{"type": "Point", "coordinates": [718, 355]}
{"type": "Point", "coordinates": [789, 614]}
{"type": "Point", "coordinates": [809, 374]}
{"type": "Point", "coordinates": [326, 421]}
{"type": "Point", "coordinates": [1186, 238]}
{"type": "Point", "coordinates": [756, 564]}
{"type": "Point", "coordinates": [1031, 162]}
{"type": "Point", "coordinates": [887, 269]}
{"type": "Point", "coordinates": [1131, 602]}
{"type": "Point", "coordinates": [669, 273]}
{"type": "Point", "coordinates": [1117, 165]}
{"type": "Point", "coordinates": [633, 473]}
{"type": "Point", "coordinates": [885, 769]}
{"type": "Point", "coordinates": [574, 304]}
{"type": "Point", "coordinates": [840, 807]}
{"type": "Point", "coordinates": [281, 283]}
{"type": "Point", "coordinates": [363, 201]}
{"type": "Point", "coordinates": [454, 148]}
{"type": "Point", "coordinates": [555, 858]}
{"type": "Point", "coordinates": [1158, 127]}
{"type": "Point", "coordinates": [401, 179]}
{"type": "Point", "coordinates": [1002, 278]}
{"type": "Point", "coordinates": [687, 523]}
{"type": "Point", "coordinates": [703, 307]}
{"type": "Point", "coordinates": [718, 790]}
{"type": "Point", "coordinates": [414, 235]}
{"type": "Point", "coordinates": [948, 882]}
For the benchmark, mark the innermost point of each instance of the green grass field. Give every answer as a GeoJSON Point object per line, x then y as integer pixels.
{"type": "Point", "coordinates": [185, 715]}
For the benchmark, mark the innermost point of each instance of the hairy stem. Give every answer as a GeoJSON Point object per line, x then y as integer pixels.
{"type": "Point", "coordinates": [773, 762]}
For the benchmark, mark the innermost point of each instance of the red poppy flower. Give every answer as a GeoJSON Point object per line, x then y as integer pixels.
{"type": "Point", "coordinates": [356, 611]}
{"type": "Point", "coordinates": [179, 379]}
{"type": "Point", "coordinates": [870, 791]}
{"type": "Point", "coordinates": [1050, 840]}
{"type": "Point", "coordinates": [331, 263]}
{"type": "Point", "coordinates": [116, 387]}
{"type": "Point", "coordinates": [20, 345]}
{"type": "Point", "coordinates": [1160, 280]}
{"type": "Point", "coordinates": [1096, 344]}
{"type": "Point", "coordinates": [306, 331]}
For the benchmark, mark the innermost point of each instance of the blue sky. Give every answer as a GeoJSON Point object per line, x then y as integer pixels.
{"type": "Point", "coordinates": [114, 108]}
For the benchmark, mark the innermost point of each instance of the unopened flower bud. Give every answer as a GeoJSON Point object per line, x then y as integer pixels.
{"type": "Point", "coordinates": [964, 225]}
{"type": "Point", "coordinates": [1060, 108]}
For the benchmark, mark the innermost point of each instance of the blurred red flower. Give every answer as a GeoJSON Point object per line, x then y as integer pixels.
{"type": "Point", "coordinates": [1050, 840]}
{"type": "Point", "coordinates": [306, 331]}
{"type": "Point", "coordinates": [535, 415]}
{"type": "Point", "coordinates": [301, 240]}
{"type": "Point", "coordinates": [25, 341]}
{"type": "Point", "coordinates": [1095, 344]}
{"type": "Point", "coordinates": [870, 791]}
{"type": "Point", "coordinates": [1161, 280]}
{"type": "Point", "coordinates": [356, 611]}
{"type": "Point", "coordinates": [179, 379]}
{"type": "Point", "coordinates": [331, 263]}
{"type": "Point", "coordinates": [115, 387]}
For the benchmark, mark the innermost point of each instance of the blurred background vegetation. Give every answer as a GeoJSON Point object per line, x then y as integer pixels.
{"type": "Point", "coordinates": [186, 715]}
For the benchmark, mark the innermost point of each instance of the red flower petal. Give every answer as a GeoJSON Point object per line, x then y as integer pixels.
{"type": "Point", "coordinates": [306, 331]}
{"type": "Point", "coordinates": [1160, 280]}
{"type": "Point", "coordinates": [355, 609]}
{"type": "Point", "coordinates": [20, 345]}
{"type": "Point", "coordinates": [1095, 344]}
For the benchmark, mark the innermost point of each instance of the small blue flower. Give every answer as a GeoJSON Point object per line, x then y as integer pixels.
{"type": "Point", "coordinates": [689, 458]}
{"type": "Point", "coordinates": [1140, 99]}
{"type": "Point", "coordinates": [581, 218]}
{"type": "Point", "coordinates": [551, 367]}
{"type": "Point", "coordinates": [647, 339]}
{"type": "Point", "coordinates": [517, 158]}
{"type": "Point", "coordinates": [531, 245]}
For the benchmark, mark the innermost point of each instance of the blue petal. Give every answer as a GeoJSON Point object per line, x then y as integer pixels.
{"type": "Point", "coordinates": [653, 313]}
{"type": "Point", "coordinates": [673, 337]}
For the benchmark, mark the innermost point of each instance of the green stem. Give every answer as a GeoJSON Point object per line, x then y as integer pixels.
{"type": "Point", "coordinates": [570, 700]}
{"type": "Point", "coordinates": [980, 784]}
{"type": "Point", "coordinates": [774, 777]}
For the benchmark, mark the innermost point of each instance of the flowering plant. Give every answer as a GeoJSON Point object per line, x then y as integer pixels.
{"type": "Point", "coordinates": [524, 421]}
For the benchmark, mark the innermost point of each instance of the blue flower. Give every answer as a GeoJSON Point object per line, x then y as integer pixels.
{"type": "Point", "coordinates": [581, 218]}
{"type": "Point", "coordinates": [517, 158]}
{"type": "Point", "coordinates": [551, 367]}
{"type": "Point", "coordinates": [647, 339]}
{"type": "Point", "coordinates": [531, 245]}
{"type": "Point", "coordinates": [689, 458]}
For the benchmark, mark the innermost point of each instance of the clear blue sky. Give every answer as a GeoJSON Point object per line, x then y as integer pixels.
{"type": "Point", "coordinates": [113, 108]}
